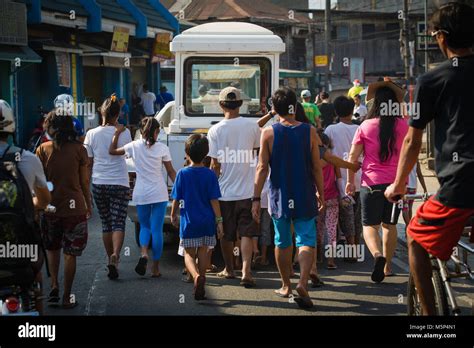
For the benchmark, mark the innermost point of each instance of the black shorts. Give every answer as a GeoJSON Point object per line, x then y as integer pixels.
{"type": "Point", "coordinates": [238, 221]}
{"type": "Point", "coordinates": [376, 209]}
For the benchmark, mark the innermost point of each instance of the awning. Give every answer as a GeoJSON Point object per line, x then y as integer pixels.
{"type": "Point", "coordinates": [90, 51]}
{"type": "Point", "coordinates": [286, 73]}
{"type": "Point", "coordinates": [24, 53]}
{"type": "Point", "coordinates": [55, 46]}
{"type": "Point", "coordinates": [226, 75]}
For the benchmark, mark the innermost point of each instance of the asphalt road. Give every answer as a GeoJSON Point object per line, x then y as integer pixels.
{"type": "Point", "coordinates": [347, 290]}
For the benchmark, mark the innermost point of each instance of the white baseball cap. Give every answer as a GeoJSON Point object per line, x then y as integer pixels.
{"type": "Point", "coordinates": [230, 94]}
{"type": "Point", "coordinates": [305, 94]}
{"type": "Point", "coordinates": [7, 120]}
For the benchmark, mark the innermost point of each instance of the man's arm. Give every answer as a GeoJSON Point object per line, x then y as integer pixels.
{"type": "Point", "coordinates": [216, 166]}
{"type": "Point", "coordinates": [262, 170]}
{"type": "Point", "coordinates": [42, 198]}
{"type": "Point", "coordinates": [408, 158]}
{"type": "Point", "coordinates": [354, 155]}
{"type": "Point", "coordinates": [317, 167]}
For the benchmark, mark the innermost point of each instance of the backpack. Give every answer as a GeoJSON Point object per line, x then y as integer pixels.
{"type": "Point", "coordinates": [17, 223]}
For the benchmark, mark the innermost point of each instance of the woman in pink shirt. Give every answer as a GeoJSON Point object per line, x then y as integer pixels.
{"type": "Point", "coordinates": [379, 139]}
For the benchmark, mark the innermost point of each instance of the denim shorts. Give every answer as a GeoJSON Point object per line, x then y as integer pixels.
{"type": "Point", "coordinates": [305, 232]}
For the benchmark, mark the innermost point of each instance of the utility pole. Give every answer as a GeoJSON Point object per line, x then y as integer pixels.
{"type": "Point", "coordinates": [426, 36]}
{"type": "Point", "coordinates": [327, 28]}
{"type": "Point", "coordinates": [406, 42]}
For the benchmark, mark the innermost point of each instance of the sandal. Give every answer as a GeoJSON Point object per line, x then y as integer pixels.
{"type": "Point", "coordinates": [141, 266]}
{"type": "Point", "coordinates": [53, 296]}
{"type": "Point", "coordinates": [316, 282]}
{"type": "Point", "coordinates": [378, 274]}
{"type": "Point", "coordinates": [70, 305]}
{"type": "Point", "coordinates": [248, 283]}
{"type": "Point", "coordinates": [225, 275]}
{"type": "Point", "coordinates": [212, 269]}
{"type": "Point", "coordinates": [199, 291]}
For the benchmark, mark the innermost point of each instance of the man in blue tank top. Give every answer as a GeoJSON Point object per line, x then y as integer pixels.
{"type": "Point", "coordinates": [290, 149]}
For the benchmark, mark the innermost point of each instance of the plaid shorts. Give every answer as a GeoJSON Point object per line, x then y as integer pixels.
{"type": "Point", "coordinates": [112, 204]}
{"type": "Point", "coordinates": [66, 232]}
{"type": "Point", "coordinates": [209, 241]}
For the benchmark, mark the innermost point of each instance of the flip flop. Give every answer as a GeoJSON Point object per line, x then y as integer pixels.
{"type": "Point", "coordinates": [248, 283]}
{"type": "Point", "coordinates": [113, 274]}
{"type": "Point", "coordinates": [279, 294]}
{"type": "Point", "coordinates": [53, 296]}
{"type": "Point", "coordinates": [70, 305]}
{"type": "Point", "coordinates": [378, 274]}
{"type": "Point", "coordinates": [391, 274]}
{"type": "Point", "coordinates": [225, 275]}
{"type": "Point", "coordinates": [187, 279]}
{"type": "Point", "coordinates": [213, 269]}
{"type": "Point", "coordinates": [141, 266]}
{"type": "Point", "coordinates": [156, 275]}
{"type": "Point", "coordinates": [316, 282]}
{"type": "Point", "coordinates": [304, 302]}
{"type": "Point", "coordinates": [199, 290]}
{"type": "Point", "coordinates": [331, 267]}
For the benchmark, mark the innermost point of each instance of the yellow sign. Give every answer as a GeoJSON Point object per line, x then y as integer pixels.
{"type": "Point", "coordinates": [321, 60]}
{"type": "Point", "coordinates": [120, 40]}
{"type": "Point", "coordinates": [161, 48]}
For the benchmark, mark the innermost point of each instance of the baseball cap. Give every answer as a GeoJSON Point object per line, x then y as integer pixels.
{"type": "Point", "coordinates": [305, 94]}
{"type": "Point", "coordinates": [226, 94]}
{"type": "Point", "coordinates": [7, 120]}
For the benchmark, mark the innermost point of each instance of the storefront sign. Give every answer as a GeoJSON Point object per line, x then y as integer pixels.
{"type": "Point", "coordinates": [321, 61]}
{"type": "Point", "coordinates": [63, 64]}
{"type": "Point", "coordinates": [161, 48]}
{"type": "Point", "coordinates": [120, 40]}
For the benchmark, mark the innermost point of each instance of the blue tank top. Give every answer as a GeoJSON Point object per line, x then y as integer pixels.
{"type": "Point", "coordinates": [292, 191]}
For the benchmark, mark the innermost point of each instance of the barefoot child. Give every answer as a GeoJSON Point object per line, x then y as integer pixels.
{"type": "Point", "coordinates": [195, 194]}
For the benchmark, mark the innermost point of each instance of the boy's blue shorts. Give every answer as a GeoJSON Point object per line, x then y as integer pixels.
{"type": "Point", "coordinates": [305, 232]}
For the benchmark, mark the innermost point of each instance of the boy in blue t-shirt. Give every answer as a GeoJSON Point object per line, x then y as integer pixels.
{"type": "Point", "coordinates": [195, 194]}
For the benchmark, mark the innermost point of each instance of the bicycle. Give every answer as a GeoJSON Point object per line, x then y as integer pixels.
{"type": "Point", "coordinates": [445, 299]}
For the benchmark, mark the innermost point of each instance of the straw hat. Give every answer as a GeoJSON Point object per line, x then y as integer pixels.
{"type": "Point", "coordinates": [373, 87]}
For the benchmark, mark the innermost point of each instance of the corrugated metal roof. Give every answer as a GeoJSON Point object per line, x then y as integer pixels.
{"type": "Point", "coordinates": [112, 10]}
{"type": "Point", "coordinates": [203, 10]}
{"type": "Point", "coordinates": [61, 6]}
{"type": "Point", "coordinates": [154, 17]}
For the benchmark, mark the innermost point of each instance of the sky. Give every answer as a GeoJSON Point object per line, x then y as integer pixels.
{"type": "Point", "coordinates": [319, 4]}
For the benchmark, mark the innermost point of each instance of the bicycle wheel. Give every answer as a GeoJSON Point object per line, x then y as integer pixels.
{"type": "Point", "coordinates": [441, 298]}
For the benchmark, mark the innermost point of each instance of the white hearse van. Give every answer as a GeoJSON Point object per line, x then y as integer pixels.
{"type": "Point", "coordinates": [210, 57]}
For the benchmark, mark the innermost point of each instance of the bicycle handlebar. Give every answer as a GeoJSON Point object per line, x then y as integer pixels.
{"type": "Point", "coordinates": [396, 206]}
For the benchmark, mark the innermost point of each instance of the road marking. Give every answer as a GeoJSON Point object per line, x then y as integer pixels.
{"type": "Point", "coordinates": [97, 303]}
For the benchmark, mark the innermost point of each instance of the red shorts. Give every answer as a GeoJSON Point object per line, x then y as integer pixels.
{"type": "Point", "coordinates": [438, 228]}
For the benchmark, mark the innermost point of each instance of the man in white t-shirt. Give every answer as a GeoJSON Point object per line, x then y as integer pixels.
{"type": "Point", "coordinates": [148, 101]}
{"type": "Point", "coordinates": [232, 148]}
{"type": "Point", "coordinates": [360, 110]}
{"type": "Point", "coordinates": [341, 135]}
